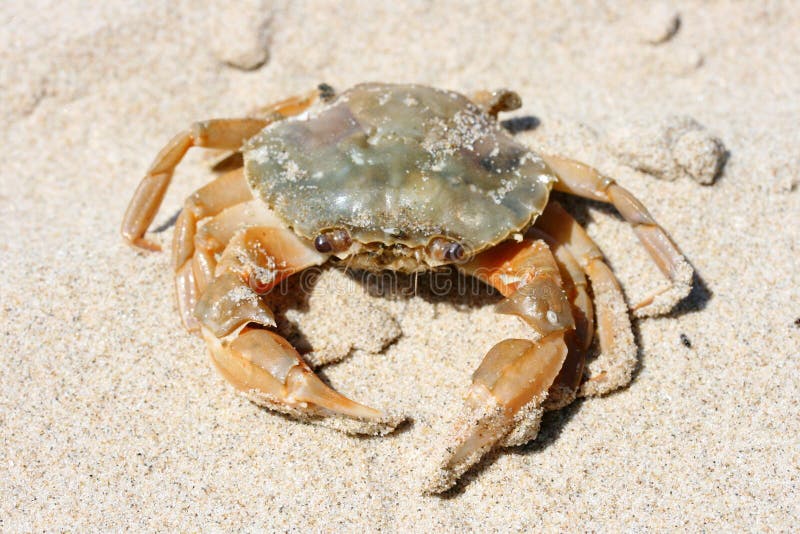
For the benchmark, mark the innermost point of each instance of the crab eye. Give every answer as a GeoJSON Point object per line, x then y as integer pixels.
{"type": "Point", "coordinates": [454, 252]}
{"type": "Point", "coordinates": [323, 243]}
{"type": "Point", "coordinates": [443, 249]}
{"type": "Point", "coordinates": [336, 240]}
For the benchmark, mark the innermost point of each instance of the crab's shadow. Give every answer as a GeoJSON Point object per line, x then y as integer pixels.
{"type": "Point", "coordinates": [445, 285]}
{"type": "Point", "coordinates": [442, 286]}
{"type": "Point", "coordinates": [524, 123]}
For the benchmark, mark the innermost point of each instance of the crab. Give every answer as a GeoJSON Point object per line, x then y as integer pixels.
{"type": "Point", "coordinates": [406, 178]}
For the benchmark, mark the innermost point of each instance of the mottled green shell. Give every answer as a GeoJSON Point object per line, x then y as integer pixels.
{"type": "Point", "coordinates": [398, 164]}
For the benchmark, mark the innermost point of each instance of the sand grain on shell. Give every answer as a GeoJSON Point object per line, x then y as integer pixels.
{"type": "Point", "coordinates": [111, 416]}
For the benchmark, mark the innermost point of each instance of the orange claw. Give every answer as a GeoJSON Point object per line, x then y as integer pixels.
{"type": "Point", "coordinates": [269, 371]}
{"type": "Point", "coordinates": [503, 405]}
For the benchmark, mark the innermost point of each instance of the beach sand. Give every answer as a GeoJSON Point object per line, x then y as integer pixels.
{"type": "Point", "coordinates": [111, 415]}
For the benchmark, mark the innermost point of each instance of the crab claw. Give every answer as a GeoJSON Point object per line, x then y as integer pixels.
{"type": "Point", "coordinates": [504, 404]}
{"type": "Point", "coordinates": [270, 372]}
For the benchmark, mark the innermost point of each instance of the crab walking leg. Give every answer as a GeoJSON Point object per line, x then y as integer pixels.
{"type": "Point", "coordinates": [504, 404]}
{"type": "Point", "coordinates": [567, 383]}
{"type": "Point", "coordinates": [294, 105]}
{"type": "Point", "coordinates": [217, 133]}
{"type": "Point", "coordinates": [614, 366]}
{"type": "Point", "coordinates": [575, 285]}
{"type": "Point", "coordinates": [579, 179]}
{"type": "Point", "coordinates": [494, 102]}
{"type": "Point", "coordinates": [227, 190]}
{"type": "Point", "coordinates": [261, 363]}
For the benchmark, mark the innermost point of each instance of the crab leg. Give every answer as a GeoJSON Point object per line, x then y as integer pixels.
{"type": "Point", "coordinates": [294, 105]}
{"type": "Point", "coordinates": [212, 238]}
{"type": "Point", "coordinates": [567, 383]}
{"type": "Point", "coordinates": [222, 134]}
{"type": "Point", "coordinates": [216, 133]}
{"type": "Point", "coordinates": [614, 366]}
{"type": "Point", "coordinates": [227, 190]}
{"type": "Point", "coordinates": [261, 363]}
{"type": "Point", "coordinates": [579, 179]}
{"type": "Point", "coordinates": [504, 404]}
{"type": "Point", "coordinates": [494, 102]}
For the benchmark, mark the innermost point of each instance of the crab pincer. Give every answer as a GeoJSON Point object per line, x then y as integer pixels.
{"type": "Point", "coordinates": [502, 406]}
{"type": "Point", "coordinates": [256, 361]}
{"type": "Point", "coordinates": [505, 402]}
{"type": "Point", "coordinates": [269, 371]}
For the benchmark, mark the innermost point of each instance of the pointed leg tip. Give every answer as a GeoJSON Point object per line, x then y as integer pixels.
{"type": "Point", "coordinates": [437, 483]}
{"type": "Point", "coordinates": [662, 302]}
{"type": "Point", "coordinates": [141, 243]}
{"type": "Point", "coordinates": [373, 426]}
{"type": "Point", "coordinates": [476, 432]}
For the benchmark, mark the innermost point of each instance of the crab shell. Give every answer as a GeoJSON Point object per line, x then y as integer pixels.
{"type": "Point", "coordinates": [396, 166]}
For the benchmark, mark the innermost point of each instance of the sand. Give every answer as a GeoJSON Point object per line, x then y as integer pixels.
{"type": "Point", "coordinates": [111, 416]}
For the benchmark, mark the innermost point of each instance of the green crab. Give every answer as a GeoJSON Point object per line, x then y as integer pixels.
{"type": "Point", "coordinates": [406, 178]}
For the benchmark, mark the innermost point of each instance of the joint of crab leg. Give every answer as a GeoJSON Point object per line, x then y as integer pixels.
{"type": "Point", "coordinates": [542, 304]}
{"type": "Point", "coordinates": [270, 372]}
{"type": "Point", "coordinates": [212, 237]}
{"type": "Point", "coordinates": [186, 292]}
{"type": "Point", "coordinates": [528, 275]}
{"type": "Point", "coordinates": [580, 179]}
{"type": "Point", "coordinates": [264, 256]}
{"type": "Point", "coordinates": [217, 133]}
{"type": "Point", "coordinates": [512, 381]}
{"type": "Point", "coordinates": [228, 190]}
{"type": "Point", "coordinates": [227, 304]}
